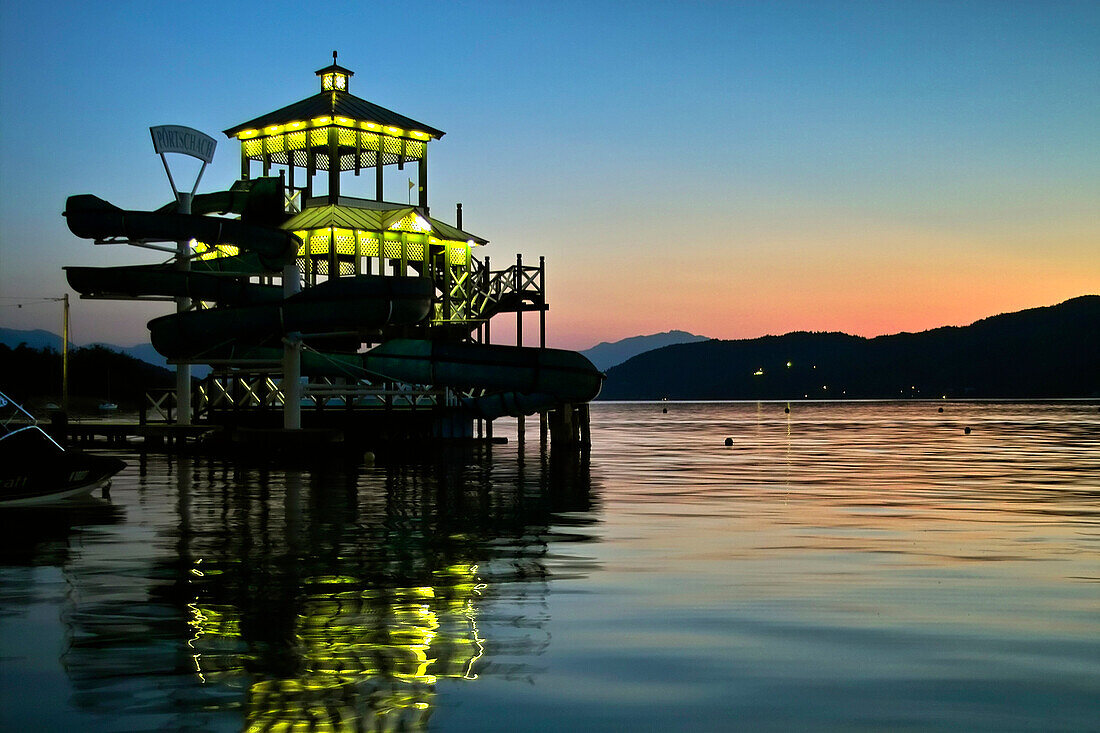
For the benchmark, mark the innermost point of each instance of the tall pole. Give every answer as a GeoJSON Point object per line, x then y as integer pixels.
{"type": "Point", "coordinates": [183, 304]}
{"type": "Point", "coordinates": [542, 337]}
{"type": "Point", "coordinates": [65, 356]}
{"type": "Point", "coordinates": [190, 142]}
{"type": "Point", "coordinates": [488, 340]}
{"type": "Point", "coordinates": [521, 427]}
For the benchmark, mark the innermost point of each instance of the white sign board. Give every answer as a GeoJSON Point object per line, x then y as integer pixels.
{"type": "Point", "coordinates": [185, 140]}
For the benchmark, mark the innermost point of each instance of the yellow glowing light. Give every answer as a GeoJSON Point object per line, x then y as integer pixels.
{"type": "Point", "coordinates": [334, 81]}
{"type": "Point", "coordinates": [245, 134]}
{"type": "Point", "coordinates": [321, 120]}
{"type": "Point", "coordinates": [788, 365]}
{"type": "Point", "coordinates": [272, 129]}
{"type": "Point", "coordinates": [295, 125]}
{"type": "Point", "coordinates": [393, 130]}
{"type": "Point", "coordinates": [420, 135]}
{"type": "Point", "coordinates": [372, 126]}
{"type": "Point", "coordinates": [344, 121]}
{"type": "Point", "coordinates": [759, 372]}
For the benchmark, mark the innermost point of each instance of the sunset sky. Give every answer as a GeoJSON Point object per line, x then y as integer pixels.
{"type": "Point", "coordinates": [732, 169]}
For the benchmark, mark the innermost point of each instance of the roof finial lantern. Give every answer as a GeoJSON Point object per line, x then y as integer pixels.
{"type": "Point", "coordinates": [334, 78]}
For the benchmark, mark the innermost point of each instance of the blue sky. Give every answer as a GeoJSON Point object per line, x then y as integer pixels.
{"type": "Point", "coordinates": [731, 169]}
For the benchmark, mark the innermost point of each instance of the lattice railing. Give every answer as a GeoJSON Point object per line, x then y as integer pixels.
{"type": "Point", "coordinates": [248, 392]}
{"type": "Point", "coordinates": [491, 287]}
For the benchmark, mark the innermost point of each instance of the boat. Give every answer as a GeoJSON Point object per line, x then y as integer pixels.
{"type": "Point", "coordinates": [107, 406]}
{"type": "Point", "coordinates": [35, 469]}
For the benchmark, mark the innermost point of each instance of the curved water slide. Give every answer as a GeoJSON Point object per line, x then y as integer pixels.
{"type": "Point", "coordinates": [517, 380]}
{"type": "Point", "coordinates": [136, 281]}
{"type": "Point", "coordinates": [90, 217]}
{"type": "Point", "coordinates": [257, 201]}
{"type": "Point", "coordinates": [253, 318]}
{"type": "Point", "coordinates": [343, 305]}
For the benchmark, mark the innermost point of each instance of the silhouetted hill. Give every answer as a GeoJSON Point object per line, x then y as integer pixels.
{"type": "Point", "coordinates": [1041, 352]}
{"type": "Point", "coordinates": [606, 355]}
{"type": "Point", "coordinates": [40, 339]}
{"type": "Point", "coordinates": [96, 374]}
{"type": "Point", "coordinates": [35, 339]}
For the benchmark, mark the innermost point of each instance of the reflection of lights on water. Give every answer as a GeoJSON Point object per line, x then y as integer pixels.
{"type": "Point", "coordinates": [198, 667]}
{"type": "Point", "coordinates": [363, 651]}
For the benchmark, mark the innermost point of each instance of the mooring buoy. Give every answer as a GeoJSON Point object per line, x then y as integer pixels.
{"type": "Point", "coordinates": [966, 430]}
{"type": "Point", "coordinates": [940, 410]}
{"type": "Point", "coordinates": [729, 441]}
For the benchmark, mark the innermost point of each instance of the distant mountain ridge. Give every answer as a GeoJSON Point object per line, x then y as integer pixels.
{"type": "Point", "coordinates": [605, 355]}
{"type": "Point", "coordinates": [42, 339]}
{"type": "Point", "coordinates": [34, 339]}
{"type": "Point", "coordinates": [96, 374]}
{"type": "Point", "coordinates": [1052, 351]}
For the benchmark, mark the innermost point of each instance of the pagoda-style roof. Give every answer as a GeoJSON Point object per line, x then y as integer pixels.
{"type": "Point", "coordinates": [335, 104]}
{"type": "Point", "coordinates": [334, 68]}
{"type": "Point", "coordinates": [376, 216]}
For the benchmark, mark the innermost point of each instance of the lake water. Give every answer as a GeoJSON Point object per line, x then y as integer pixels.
{"type": "Point", "coordinates": [844, 566]}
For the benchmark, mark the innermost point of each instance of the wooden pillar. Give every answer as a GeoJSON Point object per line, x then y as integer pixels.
{"type": "Point", "coordinates": [333, 167]}
{"type": "Point", "coordinates": [488, 340]}
{"type": "Point", "coordinates": [333, 259]}
{"type": "Point", "coordinates": [446, 283]}
{"type": "Point", "coordinates": [521, 427]}
{"type": "Point", "coordinates": [478, 339]}
{"type": "Point", "coordinates": [378, 171]}
{"type": "Point", "coordinates": [288, 190]}
{"type": "Point", "coordinates": [542, 335]}
{"type": "Point", "coordinates": [422, 180]}
{"type": "Point", "coordinates": [542, 302]}
{"type": "Point", "coordinates": [562, 429]}
{"type": "Point", "coordinates": [488, 275]}
{"type": "Point", "coordinates": [311, 168]}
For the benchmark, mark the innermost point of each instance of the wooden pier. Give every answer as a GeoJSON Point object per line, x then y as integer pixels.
{"type": "Point", "coordinates": [244, 439]}
{"type": "Point", "coordinates": [118, 433]}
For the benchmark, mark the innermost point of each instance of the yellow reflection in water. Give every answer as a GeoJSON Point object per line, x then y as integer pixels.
{"type": "Point", "coordinates": [362, 653]}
